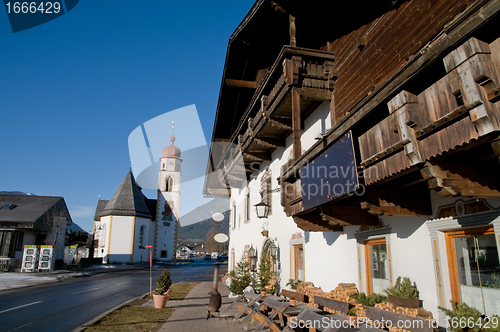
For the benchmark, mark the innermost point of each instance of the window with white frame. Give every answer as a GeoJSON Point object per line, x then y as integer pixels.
{"type": "Point", "coordinates": [233, 216]}
{"type": "Point", "coordinates": [265, 187]}
{"type": "Point", "coordinates": [247, 207]}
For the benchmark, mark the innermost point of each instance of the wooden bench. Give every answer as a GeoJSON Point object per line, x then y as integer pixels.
{"type": "Point", "coordinates": [408, 323]}
{"type": "Point", "coordinates": [277, 308]}
{"type": "Point", "coordinates": [246, 303]}
{"type": "Point", "coordinates": [298, 296]}
{"type": "Point", "coordinates": [325, 302]}
{"type": "Point", "coordinates": [312, 320]}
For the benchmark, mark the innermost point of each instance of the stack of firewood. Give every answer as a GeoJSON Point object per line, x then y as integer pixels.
{"type": "Point", "coordinates": [307, 288]}
{"type": "Point", "coordinates": [412, 312]}
{"type": "Point", "coordinates": [389, 306]}
{"type": "Point", "coordinates": [342, 292]}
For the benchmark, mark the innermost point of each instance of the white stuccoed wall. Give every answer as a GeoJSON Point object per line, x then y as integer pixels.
{"type": "Point", "coordinates": [121, 239]}
{"type": "Point", "coordinates": [141, 255]}
{"type": "Point", "coordinates": [281, 228]}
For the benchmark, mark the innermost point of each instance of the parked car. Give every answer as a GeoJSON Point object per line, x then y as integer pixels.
{"type": "Point", "coordinates": [222, 257]}
{"type": "Point", "coordinates": [208, 257]}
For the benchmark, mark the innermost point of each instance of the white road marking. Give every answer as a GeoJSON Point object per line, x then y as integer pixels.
{"type": "Point", "coordinates": [20, 327]}
{"type": "Point", "coordinates": [127, 282]}
{"type": "Point", "coordinates": [21, 306]}
{"type": "Point", "coordinates": [88, 290]}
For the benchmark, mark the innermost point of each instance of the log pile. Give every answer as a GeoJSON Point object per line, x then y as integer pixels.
{"type": "Point", "coordinates": [307, 288]}
{"type": "Point", "coordinates": [412, 312]}
{"type": "Point", "coordinates": [342, 292]}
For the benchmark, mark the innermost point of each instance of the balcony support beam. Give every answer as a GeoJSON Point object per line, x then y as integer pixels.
{"type": "Point", "coordinates": [296, 124]}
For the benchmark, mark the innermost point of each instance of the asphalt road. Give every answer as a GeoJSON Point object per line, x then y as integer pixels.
{"type": "Point", "coordinates": [65, 305]}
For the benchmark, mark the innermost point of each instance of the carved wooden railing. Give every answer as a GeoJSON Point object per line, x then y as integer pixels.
{"type": "Point", "coordinates": [457, 109]}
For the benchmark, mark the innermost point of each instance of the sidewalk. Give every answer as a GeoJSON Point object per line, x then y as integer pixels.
{"type": "Point", "coordinates": [190, 314]}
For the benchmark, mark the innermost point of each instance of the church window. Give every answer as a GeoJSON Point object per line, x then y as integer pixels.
{"type": "Point", "coordinates": [163, 166]}
{"type": "Point", "coordinates": [141, 237]}
{"type": "Point", "coordinates": [169, 185]}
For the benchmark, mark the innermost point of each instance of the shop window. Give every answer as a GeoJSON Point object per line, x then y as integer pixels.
{"type": "Point", "coordinates": [377, 266]}
{"type": "Point", "coordinates": [5, 243]}
{"type": "Point", "coordinates": [298, 257]}
{"type": "Point", "coordinates": [18, 241]}
{"type": "Point", "coordinates": [474, 266]}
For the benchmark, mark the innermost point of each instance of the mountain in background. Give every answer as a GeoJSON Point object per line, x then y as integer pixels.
{"type": "Point", "coordinates": [199, 221]}
{"type": "Point", "coordinates": [17, 193]}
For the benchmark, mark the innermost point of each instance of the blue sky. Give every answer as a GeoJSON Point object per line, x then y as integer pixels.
{"type": "Point", "coordinates": [73, 89]}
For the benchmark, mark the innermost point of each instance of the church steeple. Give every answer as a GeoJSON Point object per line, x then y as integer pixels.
{"type": "Point", "coordinates": [171, 151]}
{"type": "Point", "coordinates": [169, 181]}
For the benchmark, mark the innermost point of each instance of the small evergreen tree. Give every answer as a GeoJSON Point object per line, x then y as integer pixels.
{"type": "Point", "coordinates": [163, 283]}
{"type": "Point", "coordinates": [241, 276]}
{"type": "Point", "coordinates": [403, 289]}
{"type": "Point", "coordinates": [264, 273]}
{"type": "Point", "coordinates": [461, 314]}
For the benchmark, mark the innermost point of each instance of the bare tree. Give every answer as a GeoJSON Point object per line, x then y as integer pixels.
{"type": "Point", "coordinates": [210, 244]}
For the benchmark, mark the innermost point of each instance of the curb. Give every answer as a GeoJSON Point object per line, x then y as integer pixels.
{"type": "Point", "coordinates": [104, 314]}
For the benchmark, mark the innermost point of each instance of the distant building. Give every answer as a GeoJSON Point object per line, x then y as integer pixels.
{"type": "Point", "coordinates": [129, 221]}
{"type": "Point", "coordinates": [31, 220]}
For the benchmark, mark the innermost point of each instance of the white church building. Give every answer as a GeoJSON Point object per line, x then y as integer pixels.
{"type": "Point", "coordinates": [129, 222]}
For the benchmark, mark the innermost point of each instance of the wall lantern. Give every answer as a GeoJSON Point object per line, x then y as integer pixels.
{"type": "Point", "coordinates": [253, 257]}
{"type": "Point", "coordinates": [251, 252]}
{"type": "Point", "coordinates": [274, 250]}
{"type": "Point", "coordinates": [262, 209]}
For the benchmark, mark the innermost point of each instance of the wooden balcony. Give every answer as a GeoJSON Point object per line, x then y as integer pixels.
{"type": "Point", "coordinates": [445, 138]}
{"type": "Point", "coordinates": [299, 79]}
{"type": "Point", "coordinates": [459, 109]}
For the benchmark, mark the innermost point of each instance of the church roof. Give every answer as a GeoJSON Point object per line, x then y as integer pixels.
{"type": "Point", "coordinates": [128, 200]}
{"type": "Point", "coordinates": [101, 204]}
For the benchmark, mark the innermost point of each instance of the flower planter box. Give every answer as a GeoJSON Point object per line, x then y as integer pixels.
{"type": "Point", "coordinates": [415, 303]}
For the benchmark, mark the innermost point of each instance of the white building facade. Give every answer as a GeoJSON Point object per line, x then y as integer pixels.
{"type": "Point", "coordinates": [384, 169]}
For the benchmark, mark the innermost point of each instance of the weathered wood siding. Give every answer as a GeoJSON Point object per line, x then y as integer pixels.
{"type": "Point", "coordinates": [389, 42]}
{"type": "Point", "coordinates": [461, 107]}
{"type": "Point", "coordinates": [435, 103]}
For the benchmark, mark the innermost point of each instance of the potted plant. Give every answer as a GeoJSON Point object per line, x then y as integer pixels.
{"type": "Point", "coordinates": [293, 303]}
{"type": "Point", "coordinates": [369, 300]}
{"type": "Point", "coordinates": [293, 283]}
{"type": "Point", "coordinates": [162, 291]}
{"type": "Point", "coordinates": [404, 293]}
{"type": "Point", "coordinates": [352, 319]}
{"type": "Point", "coordinates": [463, 318]}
